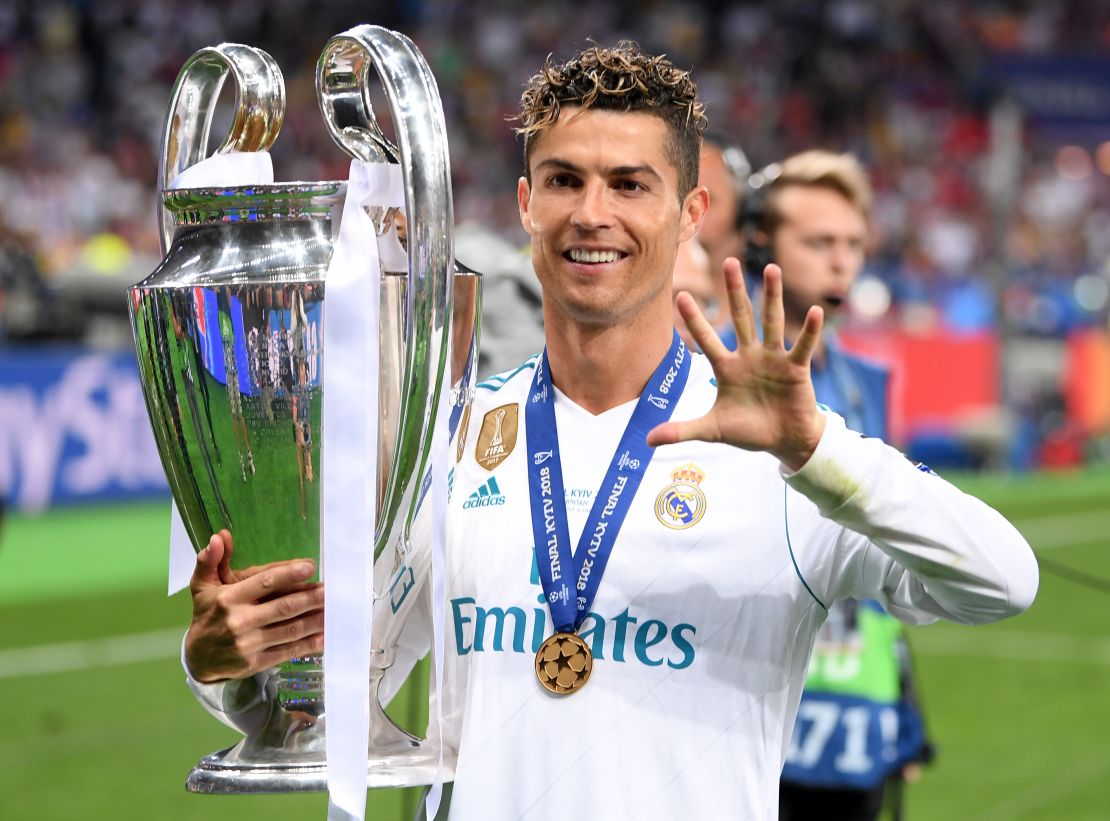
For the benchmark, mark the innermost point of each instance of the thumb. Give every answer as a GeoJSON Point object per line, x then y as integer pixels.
{"type": "Point", "coordinates": [206, 573]}
{"type": "Point", "coordinates": [223, 564]}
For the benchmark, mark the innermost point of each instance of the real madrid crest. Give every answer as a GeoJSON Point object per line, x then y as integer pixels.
{"type": "Point", "coordinates": [682, 504]}
{"type": "Point", "coordinates": [497, 438]}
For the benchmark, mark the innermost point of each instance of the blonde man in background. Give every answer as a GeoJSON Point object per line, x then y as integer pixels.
{"type": "Point", "coordinates": [858, 725]}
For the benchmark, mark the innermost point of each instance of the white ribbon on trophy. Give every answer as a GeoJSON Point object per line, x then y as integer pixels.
{"type": "Point", "coordinates": [229, 169]}
{"type": "Point", "coordinates": [349, 471]}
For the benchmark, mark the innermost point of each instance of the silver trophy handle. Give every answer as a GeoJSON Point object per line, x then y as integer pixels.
{"type": "Point", "coordinates": [341, 83]}
{"type": "Point", "coordinates": [259, 112]}
{"type": "Point", "coordinates": [341, 76]}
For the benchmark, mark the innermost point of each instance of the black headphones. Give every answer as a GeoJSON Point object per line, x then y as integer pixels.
{"type": "Point", "coordinates": [758, 253]}
{"type": "Point", "coordinates": [737, 166]}
{"type": "Point", "coordinates": [751, 189]}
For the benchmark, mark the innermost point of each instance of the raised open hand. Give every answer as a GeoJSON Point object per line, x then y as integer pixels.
{"type": "Point", "coordinates": [765, 398]}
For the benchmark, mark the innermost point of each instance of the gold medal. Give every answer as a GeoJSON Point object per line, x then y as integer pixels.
{"type": "Point", "coordinates": [564, 663]}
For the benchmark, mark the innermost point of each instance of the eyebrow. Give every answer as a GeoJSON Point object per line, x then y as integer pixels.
{"type": "Point", "coordinates": [618, 171]}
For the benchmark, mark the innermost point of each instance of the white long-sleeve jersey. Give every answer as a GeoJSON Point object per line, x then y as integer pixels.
{"type": "Point", "coordinates": [705, 618]}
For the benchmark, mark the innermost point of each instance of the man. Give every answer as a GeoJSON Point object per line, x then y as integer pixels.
{"type": "Point", "coordinates": [692, 275]}
{"type": "Point", "coordinates": [856, 726]}
{"type": "Point", "coordinates": [724, 171]}
{"type": "Point", "coordinates": [810, 218]}
{"type": "Point", "coordinates": [655, 673]}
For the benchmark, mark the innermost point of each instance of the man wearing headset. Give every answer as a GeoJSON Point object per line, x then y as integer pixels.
{"type": "Point", "coordinates": [858, 725]}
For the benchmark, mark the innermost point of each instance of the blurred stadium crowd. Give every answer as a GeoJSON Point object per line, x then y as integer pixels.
{"type": "Point", "coordinates": [964, 221]}
{"type": "Point", "coordinates": [907, 86]}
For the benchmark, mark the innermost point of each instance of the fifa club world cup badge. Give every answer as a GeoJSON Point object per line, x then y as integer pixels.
{"type": "Point", "coordinates": [497, 438]}
{"type": "Point", "coordinates": [682, 504]}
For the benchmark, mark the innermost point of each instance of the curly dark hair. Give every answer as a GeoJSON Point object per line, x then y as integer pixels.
{"type": "Point", "coordinates": [619, 79]}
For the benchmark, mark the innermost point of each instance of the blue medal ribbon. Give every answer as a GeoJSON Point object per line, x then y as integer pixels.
{"type": "Point", "coordinates": [570, 583]}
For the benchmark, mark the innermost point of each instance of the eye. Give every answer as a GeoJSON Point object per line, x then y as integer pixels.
{"type": "Point", "coordinates": [561, 180]}
{"type": "Point", "coordinates": [630, 186]}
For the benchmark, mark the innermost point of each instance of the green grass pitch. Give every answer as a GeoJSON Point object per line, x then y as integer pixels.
{"type": "Point", "coordinates": [98, 727]}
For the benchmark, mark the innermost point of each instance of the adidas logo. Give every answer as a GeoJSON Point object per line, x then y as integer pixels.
{"type": "Point", "coordinates": [488, 495]}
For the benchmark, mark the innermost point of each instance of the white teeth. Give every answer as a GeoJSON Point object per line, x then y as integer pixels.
{"type": "Point", "coordinates": [582, 255]}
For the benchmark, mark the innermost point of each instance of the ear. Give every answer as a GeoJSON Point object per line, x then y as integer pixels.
{"type": "Point", "coordinates": [523, 202]}
{"type": "Point", "coordinates": [693, 211]}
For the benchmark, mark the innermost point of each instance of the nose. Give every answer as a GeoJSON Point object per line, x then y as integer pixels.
{"type": "Point", "coordinates": [845, 258]}
{"type": "Point", "coordinates": [592, 209]}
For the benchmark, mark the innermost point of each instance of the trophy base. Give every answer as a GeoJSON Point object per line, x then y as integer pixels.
{"type": "Point", "coordinates": [215, 775]}
{"type": "Point", "coordinates": [287, 755]}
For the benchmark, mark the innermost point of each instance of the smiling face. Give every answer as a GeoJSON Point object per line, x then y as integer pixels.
{"type": "Point", "coordinates": [819, 244]}
{"type": "Point", "coordinates": [605, 217]}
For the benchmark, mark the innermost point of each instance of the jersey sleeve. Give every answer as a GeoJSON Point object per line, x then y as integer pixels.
{"type": "Point", "coordinates": [906, 537]}
{"type": "Point", "coordinates": [412, 645]}
{"type": "Point", "coordinates": [241, 704]}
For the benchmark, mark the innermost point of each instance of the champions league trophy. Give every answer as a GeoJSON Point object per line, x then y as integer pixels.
{"type": "Point", "coordinates": [228, 331]}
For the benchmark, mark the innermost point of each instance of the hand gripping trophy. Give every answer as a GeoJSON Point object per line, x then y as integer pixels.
{"type": "Point", "coordinates": [228, 333]}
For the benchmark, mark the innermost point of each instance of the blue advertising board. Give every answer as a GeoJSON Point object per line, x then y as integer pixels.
{"type": "Point", "coordinates": [74, 428]}
{"type": "Point", "coordinates": [1058, 92]}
